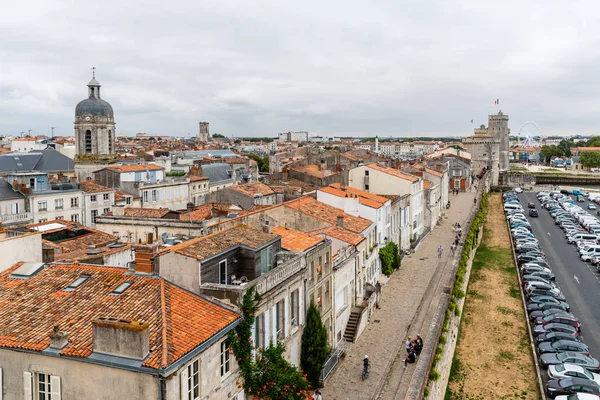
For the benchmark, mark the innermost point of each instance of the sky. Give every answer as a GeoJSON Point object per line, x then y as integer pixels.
{"type": "Point", "coordinates": [257, 68]}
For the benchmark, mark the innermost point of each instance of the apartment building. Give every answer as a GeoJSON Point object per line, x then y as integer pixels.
{"type": "Point", "coordinates": [80, 331]}
{"type": "Point", "coordinates": [97, 200]}
{"type": "Point", "coordinates": [248, 195]}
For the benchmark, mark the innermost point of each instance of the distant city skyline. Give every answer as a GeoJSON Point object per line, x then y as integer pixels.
{"type": "Point", "coordinates": [340, 68]}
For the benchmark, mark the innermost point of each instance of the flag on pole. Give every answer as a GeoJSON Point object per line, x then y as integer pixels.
{"type": "Point", "coordinates": [471, 121]}
{"type": "Point", "coordinates": [497, 101]}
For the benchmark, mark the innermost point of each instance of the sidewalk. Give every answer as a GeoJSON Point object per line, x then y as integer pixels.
{"type": "Point", "coordinates": [399, 300]}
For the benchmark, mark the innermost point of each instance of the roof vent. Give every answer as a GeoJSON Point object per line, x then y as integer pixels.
{"type": "Point", "coordinates": [78, 282]}
{"type": "Point", "coordinates": [121, 288]}
{"type": "Point", "coordinates": [94, 252]}
{"type": "Point", "coordinates": [27, 270]}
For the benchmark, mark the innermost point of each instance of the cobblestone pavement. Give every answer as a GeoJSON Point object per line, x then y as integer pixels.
{"type": "Point", "coordinates": [399, 300]}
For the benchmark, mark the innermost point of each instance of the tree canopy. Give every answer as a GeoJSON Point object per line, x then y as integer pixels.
{"type": "Point", "coordinates": [548, 152]}
{"type": "Point", "coordinates": [590, 159]}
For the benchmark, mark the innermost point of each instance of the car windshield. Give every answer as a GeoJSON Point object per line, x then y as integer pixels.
{"type": "Point", "coordinates": [565, 383]}
{"type": "Point", "coordinates": [560, 367]}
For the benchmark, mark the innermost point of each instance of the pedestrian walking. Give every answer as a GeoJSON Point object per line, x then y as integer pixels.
{"type": "Point", "coordinates": [452, 248]}
{"type": "Point", "coordinates": [317, 395]}
{"type": "Point", "coordinates": [475, 201]}
{"type": "Point", "coordinates": [456, 240]}
{"type": "Point", "coordinates": [440, 251]}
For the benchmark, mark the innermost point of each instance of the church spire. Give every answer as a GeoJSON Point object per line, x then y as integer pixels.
{"type": "Point", "coordinates": [94, 86]}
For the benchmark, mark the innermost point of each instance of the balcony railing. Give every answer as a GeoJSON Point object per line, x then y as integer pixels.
{"type": "Point", "coordinates": [16, 218]}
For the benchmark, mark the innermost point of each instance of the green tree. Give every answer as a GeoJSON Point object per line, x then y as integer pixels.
{"type": "Point", "coordinates": [593, 142]}
{"type": "Point", "coordinates": [218, 136]}
{"type": "Point", "coordinates": [262, 162]}
{"type": "Point", "coordinates": [390, 258]}
{"type": "Point", "coordinates": [547, 152]}
{"type": "Point", "coordinates": [590, 159]}
{"type": "Point", "coordinates": [266, 374]}
{"type": "Point", "coordinates": [314, 346]}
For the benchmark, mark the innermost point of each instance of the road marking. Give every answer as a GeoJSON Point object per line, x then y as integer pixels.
{"type": "Point", "coordinates": [576, 278]}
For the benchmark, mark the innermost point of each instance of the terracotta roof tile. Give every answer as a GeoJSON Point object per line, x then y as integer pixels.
{"type": "Point", "coordinates": [426, 184]}
{"type": "Point", "coordinates": [341, 234]}
{"type": "Point", "coordinates": [195, 178]}
{"type": "Point", "coordinates": [310, 206]}
{"type": "Point", "coordinates": [178, 321]}
{"type": "Point", "coordinates": [93, 187]}
{"type": "Point", "coordinates": [135, 168]}
{"type": "Point", "coordinates": [251, 189]}
{"type": "Point", "coordinates": [215, 243]}
{"type": "Point", "coordinates": [204, 211]}
{"type": "Point", "coordinates": [145, 212]}
{"type": "Point", "coordinates": [294, 240]}
{"type": "Point", "coordinates": [120, 195]}
{"type": "Point", "coordinates": [394, 172]}
{"type": "Point", "coordinates": [313, 170]}
{"type": "Point", "coordinates": [361, 193]}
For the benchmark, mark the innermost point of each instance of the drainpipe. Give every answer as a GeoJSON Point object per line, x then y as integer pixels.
{"type": "Point", "coordinates": [356, 260]}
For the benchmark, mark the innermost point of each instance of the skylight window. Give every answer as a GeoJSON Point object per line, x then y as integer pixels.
{"type": "Point", "coordinates": [76, 283]}
{"type": "Point", "coordinates": [121, 288]}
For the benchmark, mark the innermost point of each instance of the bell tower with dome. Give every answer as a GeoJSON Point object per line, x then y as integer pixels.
{"type": "Point", "coordinates": [94, 125]}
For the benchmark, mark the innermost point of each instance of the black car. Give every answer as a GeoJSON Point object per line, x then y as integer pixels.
{"type": "Point", "coordinates": [565, 191]}
{"type": "Point", "coordinates": [533, 213]}
{"type": "Point", "coordinates": [542, 329]}
{"type": "Point", "coordinates": [542, 313]}
{"type": "Point", "coordinates": [525, 258]}
{"type": "Point", "coordinates": [557, 387]}
{"type": "Point", "coordinates": [532, 307]}
{"type": "Point", "coordinates": [544, 292]}
{"type": "Point", "coordinates": [569, 357]}
{"type": "Point", "coordinates": [561, 346]}
{"type": "Point", "coordinates": [554, 336]}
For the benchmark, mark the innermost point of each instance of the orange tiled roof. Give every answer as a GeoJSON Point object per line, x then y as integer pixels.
{"type": "Point", "coordinates": [215, 243]}
{"type": "Point", "coordinates": [204, 211]}
{"type": "Point", "coordinates": [313, 170]}
{"type": "Point", "coordinates": [195, 178]}
{"type": "Point", "coordinates": [251, 189]}
{"type": "Point", "coordinates": [394, 172]}
{"type": "Point", "coordinates": [316, 209]}
{"type": "Point", "coordinates": [120, 195]}
{"type": "Point", "coordinates": [135, 168]}
{"type": "Point", "coordinates": [426, 184]}
{"type": "Point", "coordinates": [341, 234]}
{"type": "Point", "coordinates": [93, 187]}
{"type": "Point", "coordinates": [362, 193]}
{"type": "Point", "coordinates": [588, 148]}
{"type": "Point", "coordinates": [294, 240]}
{"type": "Point", "coordinates": [178, 321]}
{"type": "Point", "coordinates": [145, 212]}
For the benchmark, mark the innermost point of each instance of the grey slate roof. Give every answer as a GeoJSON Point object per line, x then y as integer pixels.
{"type": "Point", "coordinates": [95, 107]}
{"type": "Point", "coordinates": [7, 193]}
{"type": "Point", "coordinates": [218, 172]}
{"type": "Point", "coordinates": [48, 160]}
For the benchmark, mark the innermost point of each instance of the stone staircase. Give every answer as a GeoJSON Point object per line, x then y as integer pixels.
{"type": "Point", "coordinates": [352, 325]}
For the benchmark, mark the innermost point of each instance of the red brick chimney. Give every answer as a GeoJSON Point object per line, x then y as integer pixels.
{"type": "Point", "coordinates": [144, 259]}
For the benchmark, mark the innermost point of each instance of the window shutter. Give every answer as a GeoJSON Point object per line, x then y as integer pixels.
{"type": "Point", "coordinates": [55, 387]}
{"type": "Point", "coordinates": [267, 325]}
{"type": "Point", "coordinates": [301, 310]}
{"type": "Point", "coordinates": [184, 383]}
{"type": "Point", "coordinates": [27, 391]}
{"type": "Point", "coordinates": [286, 316]}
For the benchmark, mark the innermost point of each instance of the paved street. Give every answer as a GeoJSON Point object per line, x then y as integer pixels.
{"type": "Point", "coordinates": [579, 281]}
{"type": "Point", "coordinates": [400, 299]}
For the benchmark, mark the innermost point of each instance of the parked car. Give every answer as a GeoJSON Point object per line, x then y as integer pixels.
{"type": "Point", "coordinates": [533, 213]}
{"type": "Point", "coordinates": [561, 371]}
{"type": "Point", "coordinates": [568, 386]}
{"type": "Point", "coordinates": [534, 278]}
{"type": "Point", "coordinates": [544, 313]}
{"type": "Point", "coordinates": [560, 319]}
{"type": "Point", "coordinates": [554, 336]}
{"type": "Point", "coordinates": [549, 300]}
{"type": "Point", "coordinates": [541, 329]}
{"type": "Point", "coordinates": [591, 206]}
{"type": "Point", "coordinates": [560, 346]}
{"type": "Point", "coordinates": [556, 293]}
{"type": "Point", "coordinates": [589, 363]}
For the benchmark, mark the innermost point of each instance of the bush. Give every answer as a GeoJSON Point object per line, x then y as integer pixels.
{"type": "Point", "coordinates": [314, 345]}
{"type": "Point", "coordinates": [390, 258]}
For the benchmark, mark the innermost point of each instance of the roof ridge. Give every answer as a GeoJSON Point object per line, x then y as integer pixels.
{"type": "Point", "coordinates": [163, 312]}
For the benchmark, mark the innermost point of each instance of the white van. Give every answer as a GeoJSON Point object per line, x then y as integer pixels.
{"type": "Point", "coordinates": [581, 236]}
{"type": "Point", "coordinates": [589, 252]}
{"type": "Point", "coordinates": [512, 206]}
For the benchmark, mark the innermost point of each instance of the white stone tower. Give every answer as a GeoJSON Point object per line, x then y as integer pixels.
{"type": "Point", "coordinates": [498, 127]}
{"type": "Point", "coordinates": [485, 150]}
{"type": "Point", "coordinates": [94, 124]}
{"type": "Point", "coordinates": [204, 132]}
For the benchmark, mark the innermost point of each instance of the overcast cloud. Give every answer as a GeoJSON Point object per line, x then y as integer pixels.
{"type": "Point", "coordinates": [256, 68]}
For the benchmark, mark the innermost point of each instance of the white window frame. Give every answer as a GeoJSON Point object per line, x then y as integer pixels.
{"type": "Point", "coordinates": [43, 203]}
{"type": "Point", "coordinates": [294, 307]}
{"type": "Point", "coordinates": [93, 198]}
{"type": "Point", "coordinates": [93, 215]}
{"type": "Point", "coordinates": [220, 280]}
{"type": "Point", "coordinates": [58, 204]}
{"type": "Point", "coordinates": [106, 196]}
{"type": "Point", "coordinates": [74, 202]}
{"type": "Point", "coordinates": [187, 381]}
{"type": "Point", "coordinates": [74, 217]}
{"type": "Point", "coordinates": [225, 360]}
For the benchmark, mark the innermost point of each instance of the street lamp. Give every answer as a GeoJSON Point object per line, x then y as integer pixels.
{"type": "Point", "coordinates": [52, 127]}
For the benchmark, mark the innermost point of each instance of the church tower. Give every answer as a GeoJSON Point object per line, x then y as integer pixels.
{"type": "Point", "coordinates": [94, 125]}
{"type": "Point", "coordinates": [204, 134]}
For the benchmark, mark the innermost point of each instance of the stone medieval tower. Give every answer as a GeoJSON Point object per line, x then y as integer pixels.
{"type": "Point", "coordinates": [94, 124]}
{"type": "Point", "coordinates": [204, 133]}
{"type": "Point", "coordinates": [498, 127]}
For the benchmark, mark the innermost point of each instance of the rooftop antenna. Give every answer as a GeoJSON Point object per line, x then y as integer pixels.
{"type": "Point", "coordinates": [52, 127]}
{"type": "Point", "coordinates": [29, 132]}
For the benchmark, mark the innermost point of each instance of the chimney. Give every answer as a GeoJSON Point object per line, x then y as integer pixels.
{"type": "Point", "coordinates": [48, 255]}
{"type": "Point", "coordinates": [118, 210]}
{"type": "Point", "coordinates": [190, 207]}
{"type": "Point", "coordinates": [340, 221]}
{"type": "Point", "coordinates": [144, 259]}
{"type": "Point", "coordinates": [121, 337]}
{"type": "Point", "coordinates": [58, 339]}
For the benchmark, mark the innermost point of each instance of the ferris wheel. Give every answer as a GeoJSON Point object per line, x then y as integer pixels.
{"type": "Point", "coordinates": [527, 132]}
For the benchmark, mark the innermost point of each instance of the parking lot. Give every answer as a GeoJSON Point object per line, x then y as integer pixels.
{"type": "Point", "coordinates": [579, 281]}
{"type": "Point", "coordinates": [555, 238]}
